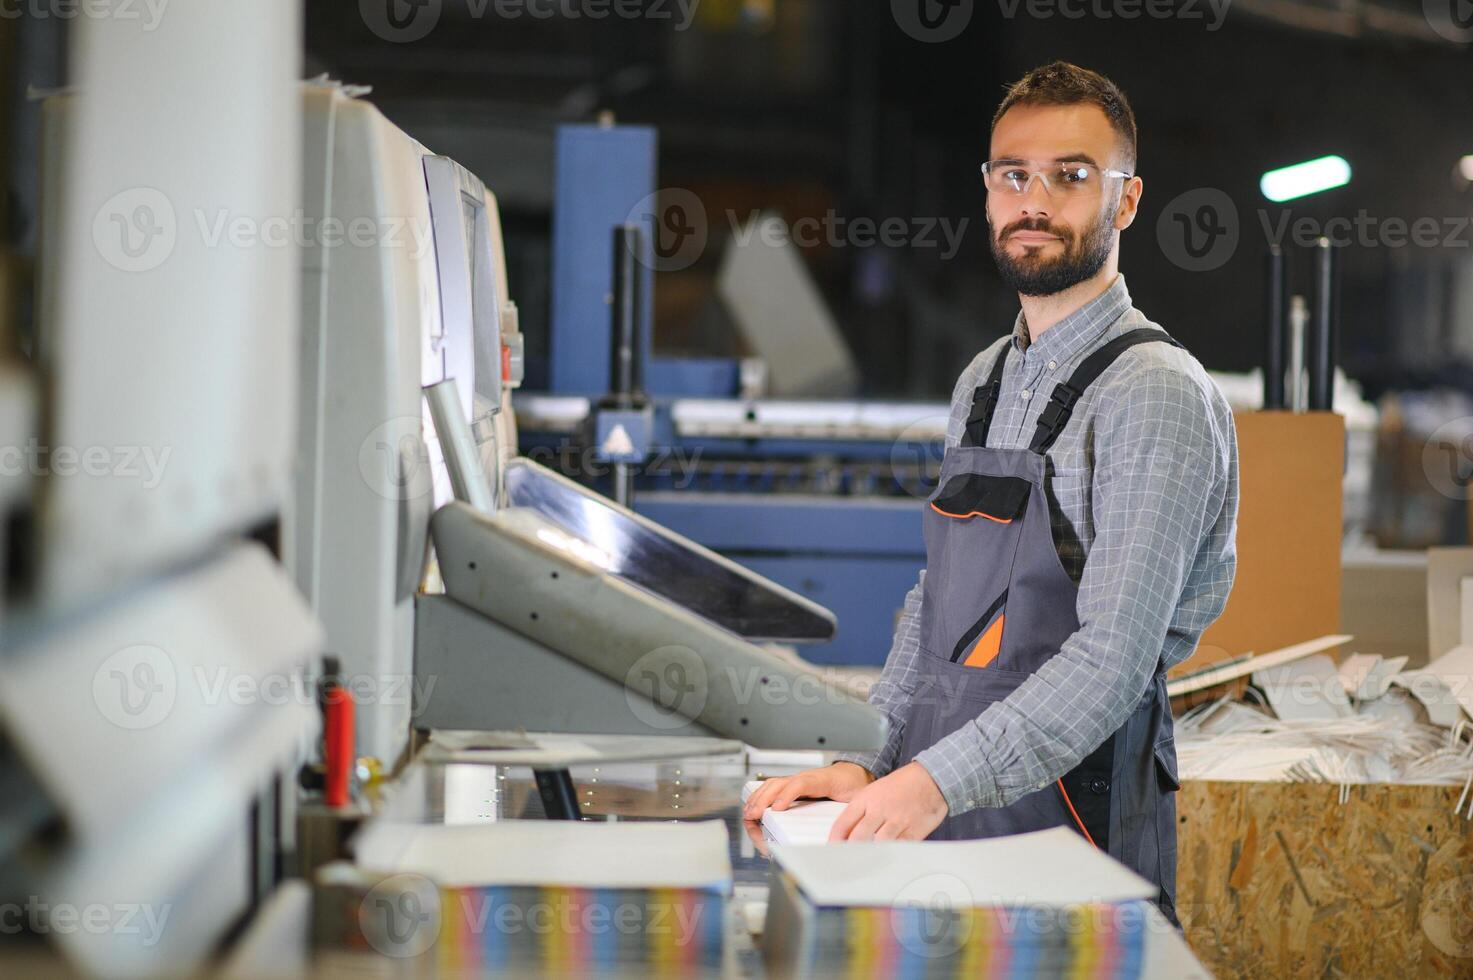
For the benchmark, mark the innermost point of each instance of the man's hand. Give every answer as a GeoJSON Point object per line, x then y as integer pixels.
{"type": "Point", "coordinates": [905, 805]}
{"type": "Point", "coordinates": [839, 781]}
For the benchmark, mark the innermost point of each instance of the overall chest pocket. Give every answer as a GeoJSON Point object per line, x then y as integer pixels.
{"type": "Point", "coordinates": [973, 526]}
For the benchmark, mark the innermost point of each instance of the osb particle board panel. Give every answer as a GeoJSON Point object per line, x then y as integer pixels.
{"type": "Point", "coordinates": [1287, 587]}
{"type": "Point", "coordinates": [1281, 880]}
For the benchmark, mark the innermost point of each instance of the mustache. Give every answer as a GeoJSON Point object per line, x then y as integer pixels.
{"type": "Point", "coordinates": [1036, 224]}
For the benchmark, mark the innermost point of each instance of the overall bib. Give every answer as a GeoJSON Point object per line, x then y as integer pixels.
{"type": "Point", "coordinates": [997, 605]}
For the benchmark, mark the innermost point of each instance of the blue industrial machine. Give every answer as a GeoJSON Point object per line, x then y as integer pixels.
{"type": "Point", "coordinates": [823, 497]}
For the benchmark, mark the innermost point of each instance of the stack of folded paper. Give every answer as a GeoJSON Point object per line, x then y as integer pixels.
{"type": "Point", "coordinates": [547, 898]}
{"type": "Point", "coordinates": [805, 822]}
{"type": "Point", "coordinates": [1040, 904]}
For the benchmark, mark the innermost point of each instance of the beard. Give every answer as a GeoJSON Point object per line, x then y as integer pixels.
{"type": "Point", "coordinates": [1033, 275]}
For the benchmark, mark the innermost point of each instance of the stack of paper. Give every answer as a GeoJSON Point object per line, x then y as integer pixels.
{"type": "Point", "coordinates": [1039, 904]}
{"type": "Point", "coordinates": [805, 822]}
{"type": "Point", "coordinates": [543, 898]}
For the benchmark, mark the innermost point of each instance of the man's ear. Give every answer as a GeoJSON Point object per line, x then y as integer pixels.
{"type": "Point", "coordinates": [1130, 202]}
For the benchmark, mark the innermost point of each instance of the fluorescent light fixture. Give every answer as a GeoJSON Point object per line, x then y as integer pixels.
{"type": "Point", "coordinates": [1465, 168]}
{"type": "Point", "coordinates": [1309, 177]}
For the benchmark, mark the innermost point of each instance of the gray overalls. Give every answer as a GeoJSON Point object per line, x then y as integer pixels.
{"type": "Point", "coordinates": [997, 604]}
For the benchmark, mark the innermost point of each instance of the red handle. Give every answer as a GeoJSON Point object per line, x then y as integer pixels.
{"type": "Point", "coordinates": [338, 742]}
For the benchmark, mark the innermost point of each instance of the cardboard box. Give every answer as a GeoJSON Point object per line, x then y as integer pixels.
{"type": "Point", "coordinates": [1287, 589]}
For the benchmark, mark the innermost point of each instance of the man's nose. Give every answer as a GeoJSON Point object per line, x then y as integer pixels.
{"type": "Point", "coordinates": [1035, 201]}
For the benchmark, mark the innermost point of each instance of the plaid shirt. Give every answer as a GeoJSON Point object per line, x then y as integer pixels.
{"type": "Point", "coordinates": [1143, 498]}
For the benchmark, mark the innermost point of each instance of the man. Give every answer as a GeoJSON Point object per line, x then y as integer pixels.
{"type": "Point", "coordinates": [1079, 542]}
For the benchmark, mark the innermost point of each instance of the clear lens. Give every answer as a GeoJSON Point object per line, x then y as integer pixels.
{"type": "Point", "coordinates": [1058, 178]}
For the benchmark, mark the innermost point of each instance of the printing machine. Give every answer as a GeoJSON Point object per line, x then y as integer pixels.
{"type": "Point", "coordinates": [159, 713]}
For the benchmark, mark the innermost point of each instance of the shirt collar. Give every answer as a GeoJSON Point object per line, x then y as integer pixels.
{"type": "Point", "coordinates": [1079, 329]}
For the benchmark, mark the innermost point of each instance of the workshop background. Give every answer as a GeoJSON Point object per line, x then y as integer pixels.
{"type": "Point", "coordinates": [745, 259]}
{"type": "Point", "coordinates": [822, 107]}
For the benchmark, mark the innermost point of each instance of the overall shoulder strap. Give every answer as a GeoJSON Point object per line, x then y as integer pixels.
{"type": "Point", "coordinates": [984, 402]}
{"type": "Point", "coordinates": [1055, 415]}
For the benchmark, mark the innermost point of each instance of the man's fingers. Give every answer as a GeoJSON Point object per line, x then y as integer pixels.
{"type": "Point", "coordinates": [793, 790]}
{"type": "Point", "coordinates": [867, 827]}
{"type": "Point", "coordinates": [851, 816]}
{"type": "Point", "coordinates": [890, 831]}
{"type": "Point", "coordinates": [758, 801]}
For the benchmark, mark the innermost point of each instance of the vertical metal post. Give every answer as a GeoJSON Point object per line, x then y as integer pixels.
{"type": "Point", "coordinates": [1322, 330]}
{"type": "Point", "coordinates": [1274, 316]}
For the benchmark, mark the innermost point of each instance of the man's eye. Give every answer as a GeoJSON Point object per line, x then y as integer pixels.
{"type": "Point", "coordinates": [1075, 175]}
{"type": "Point", "coordinates": [1014, 173]}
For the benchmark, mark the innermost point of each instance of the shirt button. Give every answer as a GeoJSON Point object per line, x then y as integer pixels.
{"type": "Point", "coordinates": [1099, 787]}
{"type": "Point", "coordinates": [1024, 393]}
{"type": "Point", "coordinates": [1052, 365]}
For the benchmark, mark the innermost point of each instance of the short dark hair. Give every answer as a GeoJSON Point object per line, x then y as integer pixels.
{"type": "Point", "coordinates": [1061, 83]}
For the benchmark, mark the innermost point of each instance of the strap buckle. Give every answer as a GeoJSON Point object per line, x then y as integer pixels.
{"type": "Point", "coordinates": [1055, 414]}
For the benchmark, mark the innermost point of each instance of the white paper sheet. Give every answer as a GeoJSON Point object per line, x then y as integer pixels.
{"type": "Point", "coordinates": [805, 822]}
{"type": "Point", "coordinates": [555, 852]}
{"type": "Point", "coordinates": [1046, 868]}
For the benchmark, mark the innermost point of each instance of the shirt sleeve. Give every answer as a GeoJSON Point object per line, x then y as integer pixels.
{"type": "Point", "coordinates": [893, 691]}
{"type": "Point", "coordinates": [1160, 479]}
